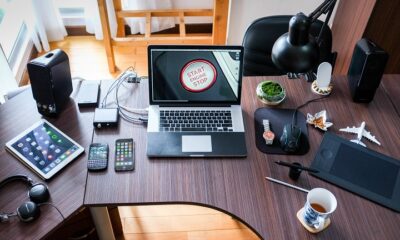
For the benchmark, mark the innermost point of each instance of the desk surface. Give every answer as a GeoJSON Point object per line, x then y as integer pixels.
{"type": "Point", "coordinates": [236, 186]}
{"type": "Point", "coordinates": [66, 188]}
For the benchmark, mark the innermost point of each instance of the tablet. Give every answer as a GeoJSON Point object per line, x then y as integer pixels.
{"type": "Point", "coordinates": [44, 149]}
{"type": "Point", "coordinates": [360, 170]}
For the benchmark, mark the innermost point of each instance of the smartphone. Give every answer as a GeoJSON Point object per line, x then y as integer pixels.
{"type": "Point", "coordinates": [124, 155]}
{"type": "Point", "coordinates": [98, 157]}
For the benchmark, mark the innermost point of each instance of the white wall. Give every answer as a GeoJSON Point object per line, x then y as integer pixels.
{"type": "Point", "coordinates": [244, 12]}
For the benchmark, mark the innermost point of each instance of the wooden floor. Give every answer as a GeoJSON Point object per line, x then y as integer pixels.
{"type": "Point", "coordinates": [179, 222]}
{"type": "Point", "coordinates": [88, 59]}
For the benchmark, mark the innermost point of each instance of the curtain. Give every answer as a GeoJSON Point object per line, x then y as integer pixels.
{"type": "Point", "coordinates": [137, 25]}
{"type": "Point", "coordinates": [92, 18]}
{"type": "Point", "coordinates": [44, 22]}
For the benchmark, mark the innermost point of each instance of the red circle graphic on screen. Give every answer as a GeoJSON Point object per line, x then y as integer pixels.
{"type": "Point", "coordinates": [198, 75]}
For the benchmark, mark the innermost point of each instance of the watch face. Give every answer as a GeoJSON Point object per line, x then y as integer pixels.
{"type": "Point", "coordinates": [268, 135]}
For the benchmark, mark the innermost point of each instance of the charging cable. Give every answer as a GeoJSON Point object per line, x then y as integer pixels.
{"type": "Point", "coordinates": [128, 76]}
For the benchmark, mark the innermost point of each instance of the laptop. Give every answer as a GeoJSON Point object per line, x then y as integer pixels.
{"type": "Point", "coordinates": [195, 101]}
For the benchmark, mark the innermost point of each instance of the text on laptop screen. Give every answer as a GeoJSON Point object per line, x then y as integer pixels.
{"type": "Point", "coordinates": [195, 75]}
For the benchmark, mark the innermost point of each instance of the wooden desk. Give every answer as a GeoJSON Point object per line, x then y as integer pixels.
{"type": "Point", "coordinates": [391, 85]}
{"type": "Point", "coordinates": [66, 188]}
{"type": "Point", "coordinates": [237, 186]}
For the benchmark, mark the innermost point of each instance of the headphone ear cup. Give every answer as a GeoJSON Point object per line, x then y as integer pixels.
{"type": "Point", "coordinates": [28, 211]}
{"type": "Point", "coordinates": [39, 193]}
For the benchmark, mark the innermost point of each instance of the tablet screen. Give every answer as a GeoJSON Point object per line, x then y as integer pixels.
{"type": "Point", "coordinates": [44, 148]}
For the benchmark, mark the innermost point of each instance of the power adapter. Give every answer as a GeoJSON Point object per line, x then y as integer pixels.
{"type": "Point", "coordinates": [105, 117]}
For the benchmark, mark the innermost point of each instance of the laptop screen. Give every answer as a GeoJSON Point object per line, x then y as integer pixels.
{"type": "Point", "coordinates": [195, 74]}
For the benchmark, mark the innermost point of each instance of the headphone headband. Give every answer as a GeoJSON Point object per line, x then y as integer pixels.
{"type": "Point", "coordinates": [18, 177]}
{"type": "Point", "coordinates": [28, 211]}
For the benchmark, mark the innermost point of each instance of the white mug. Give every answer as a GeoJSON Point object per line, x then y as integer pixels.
{"type": "Point", "coordinates": [320, 204]}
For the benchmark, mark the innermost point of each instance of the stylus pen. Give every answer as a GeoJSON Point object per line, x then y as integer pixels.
{"type": "Point", "coordinates": [287, 184]}
{"type": "Point", "coordinates": [297, 166]}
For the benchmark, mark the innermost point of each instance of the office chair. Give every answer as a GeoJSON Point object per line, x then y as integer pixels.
{"type": "Point", "coordinates": [261, 35]}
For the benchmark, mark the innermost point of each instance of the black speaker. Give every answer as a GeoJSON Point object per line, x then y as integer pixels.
{"type": "Point", "coordinates": [51, 82]}
{"type": "Point", "coordinates": [366, 70]}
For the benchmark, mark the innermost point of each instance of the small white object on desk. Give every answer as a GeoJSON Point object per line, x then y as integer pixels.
{"type": "Point", "coordinates": [323, 86]}
{"type": "Point", "coordinates": [286, 184]}
{"type": "Point", "coordinates": [361, 132]}
{"type": "Point", "coordinates": [319, 120]}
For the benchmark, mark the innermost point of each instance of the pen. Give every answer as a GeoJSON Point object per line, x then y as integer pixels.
{"type": "Point", "coordinates": [297, 166]}
{"type": "Point", "coordinates": [287, 184]}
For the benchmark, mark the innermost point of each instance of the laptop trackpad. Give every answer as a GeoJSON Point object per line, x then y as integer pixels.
{"type": "Point", "coordinates": [196, 143]}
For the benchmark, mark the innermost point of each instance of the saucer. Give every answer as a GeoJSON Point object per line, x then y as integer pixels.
{"type": "Point", "coordinates": [311, 229]}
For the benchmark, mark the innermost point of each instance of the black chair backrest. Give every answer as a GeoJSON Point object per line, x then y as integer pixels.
{"type": "Point", "coordinates": [261, 36]}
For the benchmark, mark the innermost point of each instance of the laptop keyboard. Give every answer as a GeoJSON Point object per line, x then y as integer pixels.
{"type": "Point", "coordinates": [195, 121]}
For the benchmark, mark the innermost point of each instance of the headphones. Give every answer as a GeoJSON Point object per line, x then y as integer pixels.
{"type": "Point", "coordinates": [38, 193]}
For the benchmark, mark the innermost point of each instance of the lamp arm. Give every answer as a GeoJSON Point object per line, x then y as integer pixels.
{"type": "Point", "coordinates": [325, 8]}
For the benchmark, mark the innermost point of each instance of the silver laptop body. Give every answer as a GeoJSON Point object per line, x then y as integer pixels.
{"type": "Point", "coordinates": [194, 96]}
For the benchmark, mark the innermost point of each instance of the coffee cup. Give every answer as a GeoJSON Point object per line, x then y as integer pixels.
{"type": "Point", "coordinates": [320, 204]}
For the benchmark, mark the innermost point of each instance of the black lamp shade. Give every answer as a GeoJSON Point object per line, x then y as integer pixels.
{"type": "Point", "coordinates": [296, 51]}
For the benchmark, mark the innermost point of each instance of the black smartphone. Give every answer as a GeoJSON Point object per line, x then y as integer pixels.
{"type": "Point", "coordinates": [98, 157]}
{"type": "Point", "coordinates": [124, 155]}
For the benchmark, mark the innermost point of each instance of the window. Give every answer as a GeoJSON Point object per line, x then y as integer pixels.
{"type": "Point", "coordinates": [7, 80]}
{"type": "Point", "coordinates": [10, 23]}
{"type": "Point", "coordinates": [72, 12]}
{"type": "Point", "coordinates": [19, 43]}
{"type": "Point", "coordinates": [13, 41]}
{"type": "Point", "coordinates": [1, 14]}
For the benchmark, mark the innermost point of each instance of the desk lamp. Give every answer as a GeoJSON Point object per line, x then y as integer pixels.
{"type": "Point", "coordinates": [297, 51]}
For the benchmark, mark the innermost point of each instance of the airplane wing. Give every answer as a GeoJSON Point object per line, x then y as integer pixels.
{"type": "Point", "coordinates": [358, 142]}
{"type": "Point", "coordinates": [369, 136]}
{"type": "Point", "coordinates": [350, 130]}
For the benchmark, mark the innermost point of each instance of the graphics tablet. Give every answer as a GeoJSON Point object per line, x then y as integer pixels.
{"type": "Point", "coordinates": [44, 148]}
{"type": "Point", "coordinates": [362, 171]}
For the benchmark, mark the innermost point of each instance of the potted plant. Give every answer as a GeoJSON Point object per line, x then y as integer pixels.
{"type": "Point", "coordinates": [270, 92]}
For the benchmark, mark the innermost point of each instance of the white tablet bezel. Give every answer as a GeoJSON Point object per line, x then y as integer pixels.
{"type": "Point", "coordinates": [24, 160]}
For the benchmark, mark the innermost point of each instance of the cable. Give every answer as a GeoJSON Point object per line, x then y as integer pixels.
{"type": "Point", "coordinates": [80, 79]}
{"type": "Point", "coordinates": [294, 118]}
{"type": "Point", "coordinates": [51, 204]}
{"type": "Point", "coordinates": [120, 78]}
{"type": "Point", "coordinates": [308, 76]}
{"type": "Point", "coordinates": [124, 111]}
{"type": "Point", "coordinates": [121, 110]}
{"type": "Point", "coordinates": [142, 111]}
{"type": "Point", "coordinates": [114, 84]}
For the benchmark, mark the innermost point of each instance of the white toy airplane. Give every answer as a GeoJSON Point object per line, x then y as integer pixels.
{"type": "Point", "coordinates": [361, 132]}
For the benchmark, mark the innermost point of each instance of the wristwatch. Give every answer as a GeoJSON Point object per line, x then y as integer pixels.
{"type": "Point", "coordinates": [268, 135]}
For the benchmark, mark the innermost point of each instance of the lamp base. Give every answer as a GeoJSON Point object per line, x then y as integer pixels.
{"type": "Point", "coordinates": [321, 91]}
